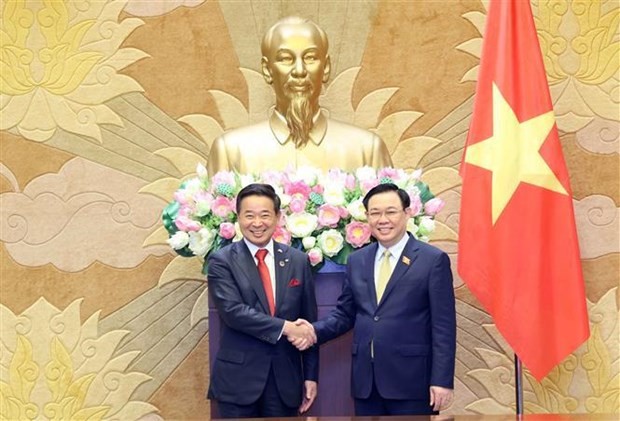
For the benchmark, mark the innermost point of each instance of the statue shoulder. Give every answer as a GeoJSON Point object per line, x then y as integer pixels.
{"type": "Point", "coordinates": [244, 134]}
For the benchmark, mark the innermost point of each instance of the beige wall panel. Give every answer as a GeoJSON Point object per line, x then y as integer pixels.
{"type": "Point", "coordinates": [190, 52]}
{"type": "Point", "coordinates": [412, 46]}
{"type": "Point", "coordinates": [102, 287]}
{"type": "Point", "coordinates": [27, 160]}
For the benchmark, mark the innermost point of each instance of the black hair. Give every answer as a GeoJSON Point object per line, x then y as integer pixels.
{"type": "Point", "coordinates": [387, 187]}
{"type": "Point", "coordinates": [257, 189]}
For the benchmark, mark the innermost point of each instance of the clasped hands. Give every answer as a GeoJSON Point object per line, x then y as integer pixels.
{"type": "Point", "coordinates": [300, 333]}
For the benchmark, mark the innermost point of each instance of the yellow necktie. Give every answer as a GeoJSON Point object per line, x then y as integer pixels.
{"type": "Point", "coordinates": [385, 271]}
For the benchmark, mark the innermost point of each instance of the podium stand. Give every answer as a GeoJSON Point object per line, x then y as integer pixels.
{"type": "Point", "coordinates": [334, 396]}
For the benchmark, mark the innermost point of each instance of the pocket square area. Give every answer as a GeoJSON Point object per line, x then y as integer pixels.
{"type": "Point", "coordinates": [294, 282]}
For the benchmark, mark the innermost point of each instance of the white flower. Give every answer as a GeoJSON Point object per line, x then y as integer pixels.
{"type": "Point", "coordinates": [412, 227]}
{"type": "Point", "coordinates": [330, 242]}
{"type": "Point", "coordinates": [178, 240]}
{"type": "Point", "coordinates": [201, 170]}
{"type": "Point", "coordinates": [308, 175]}
{"type": "Point", "coordinates": [427, 225]}
{"type": "Point", "coordinates": [308, 242]}
{"type": "Point", "coordinates": [365, 173]}
{"type": "Point", "coordinates": [301, 224]}
{"type": "Point", "coordinates": [238, 233]}
{"type": "Point", "coordinates": [334, 195]}
{"type": "Point", "coordinates": [203, 204]}
{"type": "Point", "coordinates": [200, 242]}
{"type": "Point", "coordinates": [245, 179]}
{"type": "Point", "coordinates": [357, 210]}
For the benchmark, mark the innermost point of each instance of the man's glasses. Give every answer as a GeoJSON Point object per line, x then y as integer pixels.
{"type": "Point", "coordinates": [389, 214]}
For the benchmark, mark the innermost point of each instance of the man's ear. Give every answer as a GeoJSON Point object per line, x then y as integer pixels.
{"type": "Point", "coordinates": [264, 62]}
{"type": "Point", "coordinates": [327, 69]}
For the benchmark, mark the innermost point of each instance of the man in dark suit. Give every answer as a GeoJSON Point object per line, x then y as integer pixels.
{"type": "Point", "coordinates": [401, 305]}
{"type": "Point", "coordinates": [259, 287]}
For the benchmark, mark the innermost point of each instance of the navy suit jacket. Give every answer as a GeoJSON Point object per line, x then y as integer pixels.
{"type": "Point", "coordinates": [413, 328]}
{"type": "Point", "coordinates": [250, 342]}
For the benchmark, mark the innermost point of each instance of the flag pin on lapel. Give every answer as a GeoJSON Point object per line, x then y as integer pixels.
{"type": "Point", "coordinates": [406, 260]}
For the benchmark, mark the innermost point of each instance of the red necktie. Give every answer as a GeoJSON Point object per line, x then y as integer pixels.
{"type": "Point", "coordinates": [264, 276]}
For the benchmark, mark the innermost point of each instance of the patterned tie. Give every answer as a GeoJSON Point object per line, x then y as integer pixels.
{"type": "Point", "coordinates": [264, 276]}
{"type": "Point", "coordinates": [385, 271]}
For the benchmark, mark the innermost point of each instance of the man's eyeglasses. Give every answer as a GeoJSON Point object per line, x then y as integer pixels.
{"type": "Point", "coordinates": [389, 214]}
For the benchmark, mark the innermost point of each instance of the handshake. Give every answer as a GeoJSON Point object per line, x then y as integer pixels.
{"type": "Point", "coordinates": [300, 333]}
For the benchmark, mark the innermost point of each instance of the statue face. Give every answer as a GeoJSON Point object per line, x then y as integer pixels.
{"type": "Point", "coordinates": [296, 64]}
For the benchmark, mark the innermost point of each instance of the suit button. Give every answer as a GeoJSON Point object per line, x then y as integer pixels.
{"type": "Point", "coordinates": [376, 318]}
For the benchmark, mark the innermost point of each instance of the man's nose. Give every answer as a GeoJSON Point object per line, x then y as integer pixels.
{"type": "Point", "coordinates": [300, 67]}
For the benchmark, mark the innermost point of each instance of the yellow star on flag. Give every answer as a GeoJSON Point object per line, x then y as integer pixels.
{"type": "Point", "coordinates": [512, 153]}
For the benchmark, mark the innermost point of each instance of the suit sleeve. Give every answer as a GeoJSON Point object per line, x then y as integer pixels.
{"type": "Point", "coordinates": [235, 313]}
{"type": "Point", "coordinates": [443, 322]}
{"type": "Point", "coordinates": [342, 318]}
{"type": "Point", "coordinates": [309, 312]}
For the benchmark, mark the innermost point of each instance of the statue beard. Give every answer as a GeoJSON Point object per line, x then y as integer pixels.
{"type": "Point", "coordinates": [299, 115]}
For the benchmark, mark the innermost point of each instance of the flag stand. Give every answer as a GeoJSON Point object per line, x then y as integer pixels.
{"type": "Point", "coordinates": [519, 385]}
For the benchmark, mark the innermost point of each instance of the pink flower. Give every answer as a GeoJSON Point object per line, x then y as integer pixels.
{"type": "Point", "coordinates": [315, 255]}
{"type": "Point", "coordinates": [433, 206]}
{"type": "Point", "coordinates": [182, 196]}
{"type": "Point", "coordinates": [222, 206]}
{"type": "Point", "coordinates": [357, 233]}
{"type": "Point", "coordinates": [349, 183]}
{"type": "Point", "coordinates": [329, 215]}
{"type": "Point", "coordinates": [416, 204]}
{"type": "Point", "coordinates": [227, 230]}
{"type": "Point", "coordinates": [336, 176]}
{"type": "Point", "coordinates": [281, 235]}
{"type": "Point", "coordinates": [344, 212]}
{"type": "Point", "coordinates": [275, 178]}
{"type": "Point", "coordinates": [184, 223]}
{"type": "Point", "coordinates": [297, 189]}
{"type": "Point", "coordinates": [224, 177]}
{"type": "Point", "coordinates": [297, 205]}
{"type": "Point", "coordinates": [366, 185]}
{"type": "Point", "coordinates": [318, 189]}
{"type": "Point", "coordinates": [388, 172]}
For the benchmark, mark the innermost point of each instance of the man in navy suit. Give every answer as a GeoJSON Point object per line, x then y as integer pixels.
{"type": "Point", "coordinates": [259, 287]}
{"type": "Point", "coordinates": [401, 306]}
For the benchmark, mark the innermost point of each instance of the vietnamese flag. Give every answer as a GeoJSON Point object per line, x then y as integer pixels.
{"type": "Point", "coordinates": [518, 247]}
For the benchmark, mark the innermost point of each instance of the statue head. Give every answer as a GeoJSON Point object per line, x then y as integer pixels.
{"type": "Point", "coordinates": [295, 62]}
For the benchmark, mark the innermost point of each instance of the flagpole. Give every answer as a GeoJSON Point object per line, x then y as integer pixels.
{"type": "Point", "coordinates": [519, 385]}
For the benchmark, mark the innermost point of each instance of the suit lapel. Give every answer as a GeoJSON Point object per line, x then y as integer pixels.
{"type": "Point", "coordinates": [404, 263]}
{"type": "Point", "coordinates": [246, 263]}
{"type": "Point", "coordinates": [283, 269]}
{"type": "Point", "coordinates": [369, 272]}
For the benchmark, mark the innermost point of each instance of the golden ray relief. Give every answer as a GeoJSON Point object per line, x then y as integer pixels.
{"type": "Point", "coordinates": [54, 367]}
{"type": "Point", "coordinates": [60, 63]}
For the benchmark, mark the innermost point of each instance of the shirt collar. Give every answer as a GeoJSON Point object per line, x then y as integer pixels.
{"type": "Point", "coordinates": [254, 248]}
{"type": "Point", "coordinates": [396, 250]}
{"type": "Point", "coordinates": [280, 129]}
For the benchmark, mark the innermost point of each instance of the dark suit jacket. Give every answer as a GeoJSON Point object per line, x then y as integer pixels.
{"type": "Point", "coordinates": [249, 344]}
{"type": "Point", "coordinates": [413, 328]}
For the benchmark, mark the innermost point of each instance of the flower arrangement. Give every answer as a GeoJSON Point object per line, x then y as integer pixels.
{"type": "Point", "coordinates": [321, 213]}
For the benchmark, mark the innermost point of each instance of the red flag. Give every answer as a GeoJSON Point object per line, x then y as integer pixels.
{"type": "Point", "coordinates": [518, 247]}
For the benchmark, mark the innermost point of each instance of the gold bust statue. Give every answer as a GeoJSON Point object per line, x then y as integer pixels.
{"type": "Point", "coordinates": [298, 133]}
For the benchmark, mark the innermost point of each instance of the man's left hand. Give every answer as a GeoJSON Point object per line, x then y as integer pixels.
{"type": "Point", "coordinates": [441, 397]}
{"type": "Point", "coordinates": [310, 391]}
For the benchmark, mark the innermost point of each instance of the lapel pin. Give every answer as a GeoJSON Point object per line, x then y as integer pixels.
{"type": "Point", "coordinates": [406, 260]}
{"type": "Point", "coordinates": [280, 251]}
{"type": "Point", "coordinates": [282, 263]}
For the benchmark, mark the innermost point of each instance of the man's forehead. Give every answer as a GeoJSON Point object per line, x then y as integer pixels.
{"type": "Point", "coordinates": [384, 200]}
{"type": "Point", "coordinates": [297, 36]}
